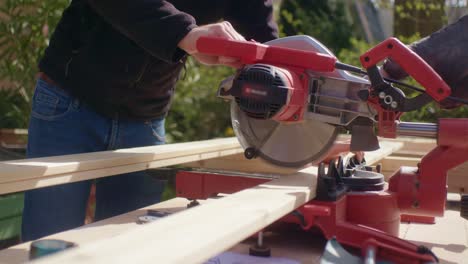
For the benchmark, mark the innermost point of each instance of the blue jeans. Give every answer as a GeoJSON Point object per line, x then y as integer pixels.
{"type": "Point", "coordinates": [60, 124]}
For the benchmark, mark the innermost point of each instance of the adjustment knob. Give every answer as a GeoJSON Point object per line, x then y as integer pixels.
{"type": "Point", "coordinates": [250, 153]}
{"type": "Point", "coordinates": [464, 206]}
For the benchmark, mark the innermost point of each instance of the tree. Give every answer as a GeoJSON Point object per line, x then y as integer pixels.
{"type": "Point", "coordinates": [327, 21]}
{"type": "Point", "coordinates": [418, 16]}
{"type": "Point", "coordinates": [196, 112]}
{"type": "Point", "coordinates": [25, 28]}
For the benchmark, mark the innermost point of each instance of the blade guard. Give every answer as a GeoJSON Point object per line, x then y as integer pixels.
{"type": "Point", "coordinates": [250, 52]}
{"type": "Point", "coordinates": [411, 62]}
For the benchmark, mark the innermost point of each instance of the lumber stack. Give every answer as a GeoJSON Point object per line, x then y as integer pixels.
{"type": "Point", "coordinates": [202, 232]}
{"type": "Point", "coordinates": [198, 233]}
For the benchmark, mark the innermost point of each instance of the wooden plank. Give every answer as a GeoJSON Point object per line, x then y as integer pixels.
{"type": "Point", "coordinates": [447, 239]}
{"type": "Point", "coordinates": [458, 179]}
{"type": "Point", "coordinates": [247, 211]}
{"type": "Point", "coordinates": [201, 232]}
{"type": "Point", "coordinates": [387, 147]}
{"type": "Point", "coordinates": [239, 163]}
{"type": "Point", "coordinates": [18, 131]}
{"type": "Point", "coordinates": [220, 224]}
{"type": "Point", "coordinates": [304, 247]}
{"type": "Point", "coordinates": [25, 174]}
{"type": "Point", "coordinates": [415, 144]}
{"type": "Point", "coordinates": [104, 229]}
{"type": "Point", "coordinates": [391, 164]}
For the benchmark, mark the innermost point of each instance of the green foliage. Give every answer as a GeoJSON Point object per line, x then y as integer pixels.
{"type": "Point", "coordinates": [196, 112]}
{"type": "Point", "coordinates": [419, 16]}
{"type": "Point", "coordinates": [24, 34]}
{"type": "Point", "coordinates": [25, 29]}
{"type": "Point", "coordinates": [14, 109]}
{"type": "Point", "coordinates": [328, 21]}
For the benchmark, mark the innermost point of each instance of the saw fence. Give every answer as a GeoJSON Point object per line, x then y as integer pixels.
{"type": "Point", "coordinates": [194, 235]}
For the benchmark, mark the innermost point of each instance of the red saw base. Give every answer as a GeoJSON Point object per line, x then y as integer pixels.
{"type": "Point", "coordinates": [368, 219]}
{"type": "Point", "coordinates": [359, 219]}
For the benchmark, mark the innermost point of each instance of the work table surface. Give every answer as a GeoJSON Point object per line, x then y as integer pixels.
{"type": "Point", "coordinates": [448, 238]}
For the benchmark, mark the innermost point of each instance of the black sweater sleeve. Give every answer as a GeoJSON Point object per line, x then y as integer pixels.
{"type": "Point", "coordinates": [252, 18]}
{"type": "Point", "coordinates": [155, 25]}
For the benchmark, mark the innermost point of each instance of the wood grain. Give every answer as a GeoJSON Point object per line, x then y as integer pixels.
{"type": "Point", "coordinates": [240, 163]}
{"type": "Point", "coordinates": [199, 233]}
{"type": "Point", "coordinates": [18, 175]}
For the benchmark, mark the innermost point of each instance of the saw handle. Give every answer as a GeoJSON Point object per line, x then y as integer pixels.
{"type": "Point", "coordinates": [411, 62]}
{"type": "Point", "coordinates": [250, 52]}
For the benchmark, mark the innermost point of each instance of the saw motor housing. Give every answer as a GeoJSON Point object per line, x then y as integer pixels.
{"type": "Point", "coordinates": [290, 95]}
{"type": "Point", "coordinates": [268, 92]}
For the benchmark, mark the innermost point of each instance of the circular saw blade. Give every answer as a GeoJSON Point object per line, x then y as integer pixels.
{"type": "Point", "coordinates": [284, 144]}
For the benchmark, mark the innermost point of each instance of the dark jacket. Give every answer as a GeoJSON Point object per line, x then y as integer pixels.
{"type": "Point", "coordinates": [121, 56]}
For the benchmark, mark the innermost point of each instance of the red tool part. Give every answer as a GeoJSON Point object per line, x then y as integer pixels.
{"type": "Point", "coordinates": [295, 108]}
{"type": "Point", "coordinates": [250, 52]}
{"type": "Point", "coordinates": [366, 219]}
{"type": "Point", "coordinates": [386, 120]}
{"type": "Point", "coordinates": [359, 220]}
{"type": "Point", "coordinates": [423, 191]}
{"type": "Point", "coordinates": [414, 65]}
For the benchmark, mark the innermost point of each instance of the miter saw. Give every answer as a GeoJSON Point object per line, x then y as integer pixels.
{"type": "Point", "coordinates": [289, 102]}
{"type": "Point", "coordinates": [293, 97]}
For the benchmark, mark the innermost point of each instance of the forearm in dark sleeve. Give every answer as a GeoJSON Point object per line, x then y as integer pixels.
{"type": "Point", "coordinates": [253, 19]}
{"type": "Point", "coordinates": [156, 26]}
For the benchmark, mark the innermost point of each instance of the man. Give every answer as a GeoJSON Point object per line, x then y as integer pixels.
{"type": "Point", "coordinates": [106, 82]}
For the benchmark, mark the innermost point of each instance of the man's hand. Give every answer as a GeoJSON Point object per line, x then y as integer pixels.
{"type": "Point", "coordinates": [221, 30]}
{"type": "Point", "coordinates": [446, 51]}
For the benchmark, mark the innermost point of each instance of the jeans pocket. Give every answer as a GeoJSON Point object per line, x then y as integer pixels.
{"type": "Point", "coordinates": [50, 103]}
{"type": "Point", "coordinates": [158, 130]}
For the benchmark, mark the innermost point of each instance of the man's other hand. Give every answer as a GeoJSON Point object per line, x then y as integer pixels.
{"type": "Point", "coordinates": [221, 30]}
{"type": "Point", "coordinates": [446, 52]}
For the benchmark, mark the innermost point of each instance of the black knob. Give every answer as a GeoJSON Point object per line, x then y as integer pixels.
{"type": "Point", "coordinates": [250, 153]}
{"type": "Point", "coordinates": [464, 206]}
{"type": "Point", "coordinates": [363, 95]}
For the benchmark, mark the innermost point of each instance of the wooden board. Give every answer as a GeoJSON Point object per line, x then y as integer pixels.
{"type": "Point", "coordinates": [104, 229]}
{"type": "Point", "coordinates": [18, 175]}
{"type": "Point", "coordinates": [449, 244]}
{"type": "Point", "coordinates": [240, 163]}
{"type": "Point", "coordinates": [303, 247]}
{"type": "Point", "coordinates": [219, 225]}
{"type": "Point", "coordinates": [201, 232]}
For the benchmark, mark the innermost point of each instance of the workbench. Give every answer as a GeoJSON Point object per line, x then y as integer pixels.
{"type": "Point", "coordinates": [448, 238]}
{"type": "Point", "coordinates": [220, 224]}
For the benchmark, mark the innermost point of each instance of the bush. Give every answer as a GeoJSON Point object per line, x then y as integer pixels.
{"type": "Point", "coordinates": [14, 109]}
{"type": "Point", "coordinates": [24, 34]}
{"type": "Point", "coordinates": [196, 112]}
{"type": "Point", "coordinates": [327, 21]}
